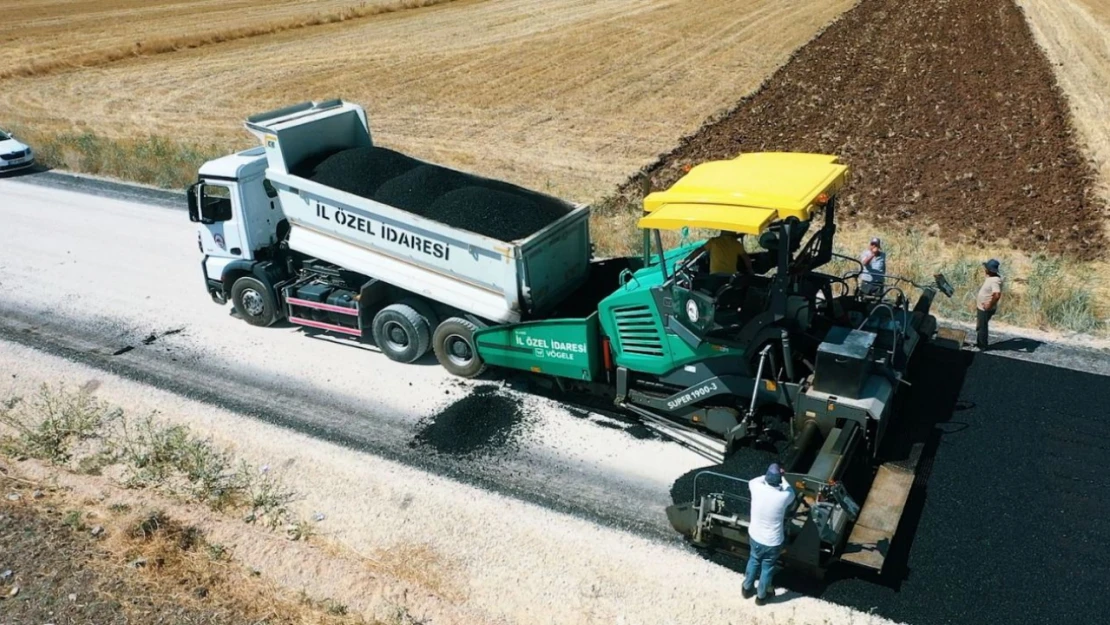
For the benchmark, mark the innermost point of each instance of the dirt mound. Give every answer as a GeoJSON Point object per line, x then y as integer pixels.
{"type": "Point", "coordinates": [487, 207]}
{"type": "Point", "coordinates": [947, 112]}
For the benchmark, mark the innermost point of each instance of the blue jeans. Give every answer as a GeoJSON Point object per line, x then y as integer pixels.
{"type": "Point", "coordinates": [761, 558]}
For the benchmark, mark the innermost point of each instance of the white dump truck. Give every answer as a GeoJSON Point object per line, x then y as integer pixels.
{"type": "Point", "coordinates": [406, 275]}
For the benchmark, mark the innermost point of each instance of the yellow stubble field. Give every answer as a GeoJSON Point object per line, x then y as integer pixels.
{"type": "Point", "coordinates": [1075, 35]}
{"type": "Point", "coordinates": [566, 96]}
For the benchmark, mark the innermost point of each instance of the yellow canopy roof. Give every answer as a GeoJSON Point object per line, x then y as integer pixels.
{"type": "Point", "coordinates": [746, 194]}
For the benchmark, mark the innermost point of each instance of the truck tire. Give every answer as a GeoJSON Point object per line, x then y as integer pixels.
{"type": "Point", "coordinates": [254, 301]}
{"type": "Point", "coordinates": [401, 333]}
{"type": "Point", "coordinates": [424, 309]}
{"type": "Point", "coordinates": [455, 349]}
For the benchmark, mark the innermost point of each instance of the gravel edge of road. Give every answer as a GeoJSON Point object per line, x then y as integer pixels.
{"type": "Point", "coordinates": [103, 187]}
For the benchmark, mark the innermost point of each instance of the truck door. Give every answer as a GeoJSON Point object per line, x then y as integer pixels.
{"type": "Point", "coordinates": [214, 204]}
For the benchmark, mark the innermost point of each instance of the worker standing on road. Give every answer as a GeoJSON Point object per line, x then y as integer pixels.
{"type": "Point", "coordinates": [725, 250]}
{"type": "Point", "coordinates": [771, 499]}
{"type": "Point", "coordinates": [873, 260]}
{"type": "Point", "coordinates": [986, 302]}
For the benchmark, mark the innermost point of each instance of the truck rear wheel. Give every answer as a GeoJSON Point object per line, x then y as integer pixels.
{"type": "Point", "coordinates": [455, 348]}
{"type": "Point", "coordinates": [253, 301]}
{"type": "Point", "coordinates": [424, 310]}
{"type": "Point", "coordinates": [401, 333]}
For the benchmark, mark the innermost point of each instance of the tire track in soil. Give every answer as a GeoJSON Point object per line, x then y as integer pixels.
{"type": "Point", "coordinates": [948, 113]}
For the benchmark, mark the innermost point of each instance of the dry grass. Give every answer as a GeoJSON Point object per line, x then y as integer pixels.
{"type": "Point", "coordinates": [152, 159]}
{"type": "Point", "coordinates": [1075, 35]}
{"type": "Point", "coordinates": [148, 558]}
{"type": "Point", "coordinates": [564, 96]}
{"type": "Point", "coordinates": [73, 429]}
{"type": "Point", "coordinates": [177, 561]}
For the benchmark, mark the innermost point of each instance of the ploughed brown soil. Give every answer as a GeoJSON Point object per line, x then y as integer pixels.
{"type": "Point", "coordinates": [59, 565]}
{"type": "Point", "coordinates": [948, 114]}
{"type": "Point", "coordinates": [54, 572]}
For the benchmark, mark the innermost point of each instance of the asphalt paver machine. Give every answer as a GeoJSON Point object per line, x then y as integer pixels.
{"type": "Point", "coordinates": [818, 361]}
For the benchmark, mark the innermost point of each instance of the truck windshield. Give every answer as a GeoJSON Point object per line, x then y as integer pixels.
{"type": "Point", "coordinates": [4, 136]}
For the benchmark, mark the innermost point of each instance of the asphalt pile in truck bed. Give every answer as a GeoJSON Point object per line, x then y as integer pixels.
{"type": "Point", "coordinates": [482, 206]}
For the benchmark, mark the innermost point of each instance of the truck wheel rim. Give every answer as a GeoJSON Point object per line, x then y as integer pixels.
{"type": "Point", "coordinates": [252, 302]}
{"type": "Point", "coordinates": [459, 351]}
{"type": "Point", "coordinates": [396, 336]}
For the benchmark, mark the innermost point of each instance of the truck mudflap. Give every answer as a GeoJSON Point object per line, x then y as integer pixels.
{"type": "Point", "coordinates": [869, 543]}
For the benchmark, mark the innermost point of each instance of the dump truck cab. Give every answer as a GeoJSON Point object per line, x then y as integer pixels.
{"type": "Point", "coordinates": [239, 218]}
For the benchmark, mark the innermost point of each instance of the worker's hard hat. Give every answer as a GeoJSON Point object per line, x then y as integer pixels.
{"type": "Point", "coordinates": [876, 241]}
{"type": "Point", "coordinates": [992, 265]}
{"type": "Point", "coordinates": [774, 474]}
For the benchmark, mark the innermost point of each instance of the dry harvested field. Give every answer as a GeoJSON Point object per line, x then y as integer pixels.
{"type": "Point", "coordinates": [47, 36]}
{"type": "Point", "coordinates": [567, 96]}
{"type": "Point", "coordinates": [1075, 35]}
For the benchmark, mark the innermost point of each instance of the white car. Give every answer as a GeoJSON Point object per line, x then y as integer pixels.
{"type": "Point", "coordinates": [13, 154]}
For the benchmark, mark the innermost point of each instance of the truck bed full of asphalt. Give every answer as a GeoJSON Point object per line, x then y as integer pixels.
{"type": "Point", "coordinates": [488, 207]}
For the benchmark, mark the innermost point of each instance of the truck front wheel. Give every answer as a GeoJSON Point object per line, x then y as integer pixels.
{"type": "Point", "coordinates": [401, 333]}
{"type": "Point", "coordinates": [253, 301]}
{"type": "Point", "coordinates": [455, 349]}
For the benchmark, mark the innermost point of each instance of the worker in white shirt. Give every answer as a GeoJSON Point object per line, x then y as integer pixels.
{"type": "Point", "coordinates": [771, 500]}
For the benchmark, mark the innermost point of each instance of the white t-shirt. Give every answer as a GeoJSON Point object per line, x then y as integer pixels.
{"type": "Point", "coordinates": [769, 504]}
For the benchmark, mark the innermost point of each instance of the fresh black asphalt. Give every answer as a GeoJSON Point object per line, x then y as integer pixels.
{"type": "Point", "coordinates": [1015, 517]}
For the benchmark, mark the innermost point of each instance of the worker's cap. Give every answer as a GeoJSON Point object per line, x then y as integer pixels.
{"type": "Point", "coordinates": [774, 474]}
{"type": "Point", "coordinates": [992, 265]}
{"type": "Point", "coordinates": [876, 241]}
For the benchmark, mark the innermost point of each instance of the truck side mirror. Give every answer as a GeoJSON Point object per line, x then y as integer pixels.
{"type": "Point", "coordinates": [194, 209]}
